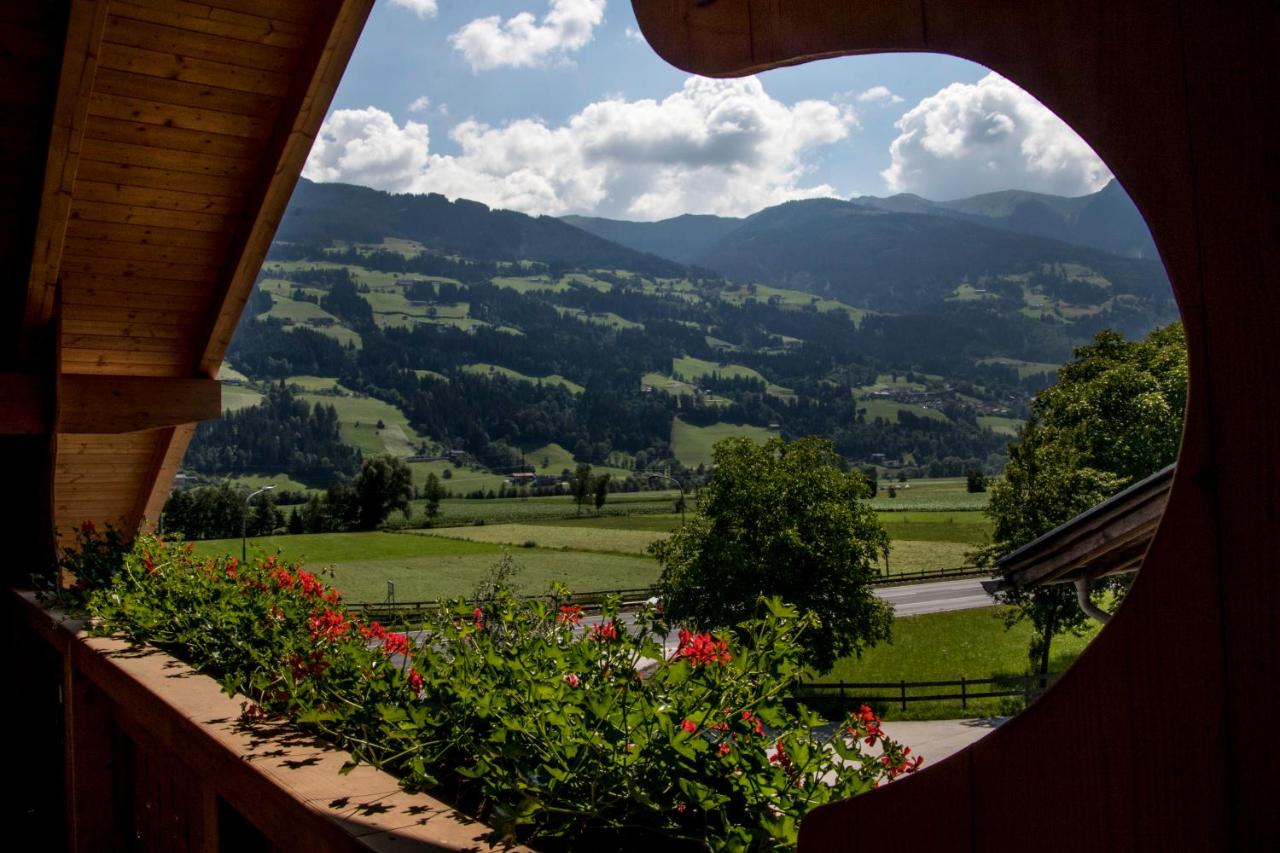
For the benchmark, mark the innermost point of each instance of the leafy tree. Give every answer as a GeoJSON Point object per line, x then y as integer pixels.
{"type": "Point", "coordinates": [1113, 417]}
{"type": "Point", "coordinates": [384, 483]}
{"type": "Point", "coordinates": [432, 491]}
{"type": "Point", "coordinates": [601, 487]}
{"type": "Point", "coordinates": [580, 485]}
{"type": "Point", "coordinates": [781, 520]}
{"type": "Point", "coordinates": [873, 485]}
{"type": "Point", "coordinates": [976, 481]}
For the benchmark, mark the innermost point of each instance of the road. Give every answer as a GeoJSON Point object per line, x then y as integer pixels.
{"type": "Point", "coordinates": [914, 599]}
{"type": "Point", "coordinates": [907, 600]}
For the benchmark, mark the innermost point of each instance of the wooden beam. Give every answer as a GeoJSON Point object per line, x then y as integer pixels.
{"type": "Point", "coordinates": [24, 404]}
{"type": "Point", "coordinates": [315, 80]}
{"type": "Point", "coordinates": [168, 458]}
{"type": "Point", "coordinates": [115, 404]}
{"type": "Point", "coordinates": [85, 27]}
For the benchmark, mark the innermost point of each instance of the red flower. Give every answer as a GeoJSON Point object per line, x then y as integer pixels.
{"type": "Point", "coordinates": [724, 749]}
{"type": "Point", "coordinates": [689, 726]}
{"type": "Point", "coordinates": [680, 807]}
{"type": "Point", "coordinates": [309, 583]}
{"type": "Point", "coordinates": [233, 568]}
{"type": "Point", "coordinates": [750, 718]}
{"type": "Point", "coordinates": [333, 597]}
{"type": "Point", "coordinates": [702, 649]}
{"type": "Point", "coordinates": [148, 562]}
{"type": "Point", "coordinates": [396, 644]}
{"type": "Point", "coordinates": [477, 619]}
{"type": "Point", "coordinates": [374, 631]}
{"type": "Point", "coordinates": [282, 578]}
{"type": "Point", "coordinates": [329, 625]}
{"type": "Point", "coordinates": [415, 681]}
{"type": "Point", "coordinates": [569, 613]}
{"type": "Point", "coordinates": [604, 631]}
{"type": "Point", "coordinates": [570, 679]}
{"type": "Point", "coordinates": [88, 528]}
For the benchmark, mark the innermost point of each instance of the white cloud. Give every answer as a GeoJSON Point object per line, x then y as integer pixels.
{"type": "Point", "coordinates": [367, 147]}
{"type": "Point", "coordinates": [714, 146]}
{"type": "Point", "coordinates": [878, 94]}
{"type": "Point", "coordinates": [421, 8]}
{"type": "Point", "coordinates": [632, 34]}
{"type": "Point", "coordinates": [987, 136]}
{"type": "Point", "coordinates": [523, 41]}
{"type": "Point", "coordinates": [419, 104]}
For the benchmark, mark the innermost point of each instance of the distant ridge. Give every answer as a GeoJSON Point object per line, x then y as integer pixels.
{"type": "Point", "coordinates": [1106, 220]}
{"type": "Point", "coordinates": [323, 213]}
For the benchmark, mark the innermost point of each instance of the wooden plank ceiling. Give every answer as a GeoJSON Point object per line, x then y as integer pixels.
{"type": "Point", "coordinates": [176, 135]}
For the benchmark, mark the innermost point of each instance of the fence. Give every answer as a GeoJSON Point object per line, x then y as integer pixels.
{"type": "Point", "coordinates": [926, 575]}
{"type": "Point", "coordinates": [1026, 686]}
{"type": "Point", "coordinates": [401, 612]}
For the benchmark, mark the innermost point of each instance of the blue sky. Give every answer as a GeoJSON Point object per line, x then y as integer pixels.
{"type": "Point", "coordinates": [559, 106]}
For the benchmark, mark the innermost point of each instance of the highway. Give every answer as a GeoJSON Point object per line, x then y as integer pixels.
{"type": "Point", "coordinates": [914, 599]}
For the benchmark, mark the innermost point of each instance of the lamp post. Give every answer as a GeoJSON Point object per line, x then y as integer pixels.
{"type": "Point", "coordinates": [244, 523]}
{"type": "Point", "coordinates": [654, 475]}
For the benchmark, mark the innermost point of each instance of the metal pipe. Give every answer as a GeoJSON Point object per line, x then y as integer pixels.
{"type": "Point", "coordinates": [653, 475]}
{"type": "Point", "coordinates": [1086, 604]}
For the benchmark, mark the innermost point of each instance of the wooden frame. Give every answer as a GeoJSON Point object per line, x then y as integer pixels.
{"type": "Point", "coordinates": [1176, 98]}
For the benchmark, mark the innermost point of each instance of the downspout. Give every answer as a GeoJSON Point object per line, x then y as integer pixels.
{"type": "Point", "coordinates": [1086, 604]}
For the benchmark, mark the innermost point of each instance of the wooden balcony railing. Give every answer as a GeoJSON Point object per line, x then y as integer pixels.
{"type": "Point", "coordinates": [156, 757]}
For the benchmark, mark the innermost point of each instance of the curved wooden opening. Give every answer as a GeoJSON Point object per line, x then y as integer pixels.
{"type": "Point", "coordinates": [1158, 736]}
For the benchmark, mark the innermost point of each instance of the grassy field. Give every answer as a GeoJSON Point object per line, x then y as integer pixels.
{"type": "Point", "coordinates": [910, 555]}
{"type": "Point", "coordinates": [1000, 426]}
{"type": "Point", "coordinates": [1024, 368]}
{"type": "Point", "coordinates": [970, 528]}
{"type": "Point", "coordinates": [257, 481]}
{"type": "Point", "coordinates": [947, 646]}
{"type": "Point", "coordinates": [945, 494]}
{"type": "Point", "coordinates": [691, 369]}
{"type": "Point", "coordinates": [358, 418]}
{"type": "Point", "coordinates": [877, 407]}
{"type": "Point", "coordinates": [518, 510]}
{"type": "Point", "coordinates": [692, 444]}
{"type": "Point", "coordinates": [559, 537]}
{"type": "Point", "coordinates": [424, 568]}
{"type": "Point", "coordinates": [495, 370]}
{"type": "Point", "coordinates": [237, 397]}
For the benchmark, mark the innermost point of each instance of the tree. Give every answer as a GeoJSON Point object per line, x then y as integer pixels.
{"type": "Point", "coordinates": [432, 491]}
{"type": "Point", "coordinates": [976, 481]}
{"type": "Point", "coordinates": [580, 485]}
{"type": "Point", "coordinates": [781, 520]}
{"type": "Point", "coordinates": [1113, 417]}
{"type": "Point", "coordinates": [601, 488]}
{"type": "Point", "coordinates": [873, 485]}
{"type": "Point", "coordinates": [384, 483]}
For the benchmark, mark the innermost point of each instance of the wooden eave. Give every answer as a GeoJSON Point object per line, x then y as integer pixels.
{"type": "Point", "coordinates": [1111, 538]}
{"type": "Point", "coordinates": [176, 132]}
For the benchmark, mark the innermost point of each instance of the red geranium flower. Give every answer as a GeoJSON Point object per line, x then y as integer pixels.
{"type": "Point", "coordinates": [396, 644]}
{"type": "Point", "coordinates": [604, 631]}
{"type": "Point", "coordinates": [569, 613]}
{"type": "Point", "coordinates": [415, 681]}
{"type": "Point", "coordinates": [689, 726]}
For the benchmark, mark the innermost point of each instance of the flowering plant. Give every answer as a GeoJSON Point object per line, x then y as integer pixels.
{"type": "Point", "coordinates": [555, 728]}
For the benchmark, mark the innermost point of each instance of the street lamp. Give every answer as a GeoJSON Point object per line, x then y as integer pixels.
{"type": "Point", "coordinates": [244, 522]}
{"type": "Point", "coordinates": [654, 475]}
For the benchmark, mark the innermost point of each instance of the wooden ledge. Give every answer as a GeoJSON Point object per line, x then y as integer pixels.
{"type": "Point", "coordinates": [285, 782]}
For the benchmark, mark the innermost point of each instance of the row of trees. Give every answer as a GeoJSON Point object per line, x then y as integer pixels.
{"type": "Point", "coordinates": [383, 485]}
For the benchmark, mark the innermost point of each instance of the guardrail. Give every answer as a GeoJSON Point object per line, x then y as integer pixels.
{"type": "Point", "coordinates": [926, 575]}
{"type": "Point", "coordinates": [401, 612]}
{"type": "Point", "coordinates": [866, 691]}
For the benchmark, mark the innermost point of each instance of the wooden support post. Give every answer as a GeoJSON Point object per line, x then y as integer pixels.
{"type": "Point", "coordinates": [88, 718]}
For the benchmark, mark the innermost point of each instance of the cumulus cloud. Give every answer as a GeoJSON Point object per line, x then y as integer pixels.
{"type": "Point", "coordinates": [986, 136]}
{"type": "Point", "coordinates": [419, 104]}
{"type": "Point", "coordinates": [878, 94]}
{"type": "Point", "coordinates": [421, 8]}
{"type": "Point", "coordinates": [367, 147]}
{"type": "Point", "coordinates": [522, 40]}
{"type": "Point", "coordinates": [632, 34]}
{"type": "Point", "coordinates": [715, 146]}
